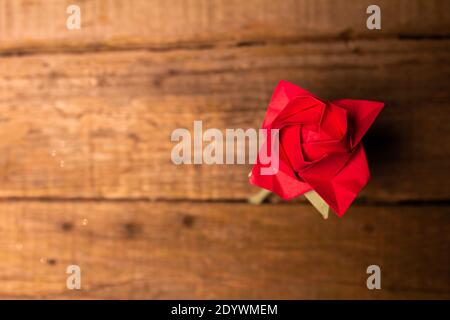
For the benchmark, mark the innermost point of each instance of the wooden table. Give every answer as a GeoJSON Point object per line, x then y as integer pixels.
{"type": "Point", "coordinates": [85, 170]}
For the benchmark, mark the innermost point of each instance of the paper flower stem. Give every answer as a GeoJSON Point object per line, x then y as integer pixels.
{"type": "Point", "coordinates": [311, 196]}
{"type": "Point", "coordinates": [318, 203]}
{"type": "Point", "coordinates": [259, 197]}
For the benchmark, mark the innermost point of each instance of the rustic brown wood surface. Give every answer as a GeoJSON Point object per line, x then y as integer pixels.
{"type": "Point", "coordinates": [86, 176]}
{"type": "Point", "coordinates": [185, 250]}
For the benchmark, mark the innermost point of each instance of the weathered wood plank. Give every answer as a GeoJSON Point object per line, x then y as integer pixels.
{"type": "Point", "coordinates": [34, 25]}
{"type": "Point", "coordinates": [109, 116]}
{"type": "Point", "coordinates": [183, 250]}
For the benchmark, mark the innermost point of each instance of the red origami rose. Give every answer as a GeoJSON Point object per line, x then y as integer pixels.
{"type": "Point", "coordinates": [320, 146]}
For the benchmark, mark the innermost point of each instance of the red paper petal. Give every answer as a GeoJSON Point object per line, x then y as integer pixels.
{"type": "Point", "coordinates": [283, 94]}
{"type": "Point", "coordinates": [361, 115]}
{"type": "Point", "coordinates": [328, 137]}
{"type": "Point", "coordinates": [284, 183]}
{"type": "Point", "coordinates": [290, 143]}
{"type": "Point", "coordinates": [339, 189]}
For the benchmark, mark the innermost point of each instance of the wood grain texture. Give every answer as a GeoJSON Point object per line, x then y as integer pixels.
{"type": "Point", "coordinates": [86, 176]}
{"type": "Point", "coordinates": [37, 25]}
{"type": "Point", "coordinates": [109, 116]}
{"type": "Point", "coordinates": [185, 250]}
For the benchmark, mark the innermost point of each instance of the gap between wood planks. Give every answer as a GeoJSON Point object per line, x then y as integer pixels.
{"type": "Point", "coordinates": [94, 48]}
{"type": "Point", "coordinates": [278, 201]}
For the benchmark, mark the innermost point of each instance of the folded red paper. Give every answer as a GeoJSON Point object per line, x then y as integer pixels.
{"type": "Point", "coordinates": [320, 146]}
